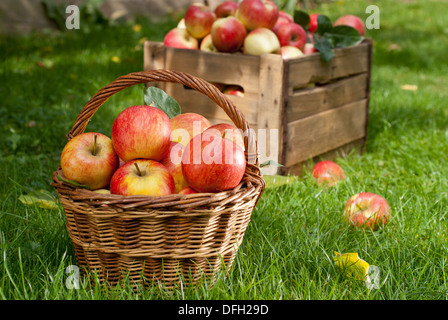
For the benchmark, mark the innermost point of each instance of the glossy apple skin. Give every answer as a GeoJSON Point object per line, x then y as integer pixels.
{"type": "Point", "coordinates": [78, 162]}
{"type": "Point", "coordinates": [155, 179]}
{"type": "Point", "coordinates": [227, 131]}
{"type": "Point", "coordinates": [367, 210]}
{"type": "Point", "coordinates": [257, 14]}
{"type": "Point", "coordinates": [228, 34]}
{"type": "Point", "coordinates": [187, 190]}
{"type": "Point", "coordinates": [141, 132]}
{"type": "Point", "coordinates": [213, 164]}
{"type": "Point", "coordinates": [198, 20]}
{"type": "Point", "coordinates": [173, 162]}
{"type": "Point", "coordinates": [207, 44]}
{"type": "Point", "coordinates": [313, 22]}
{"type": "Point", "coordinates": [290, 52]}
{"type": "Point", "coordinates": [327, 173]}
{"type": "Point", "coordinates": [234, 90]}
{"type": "Point", "coordinates": [292, 34]}
{"type": "Point", "coordinates": [283, 18]}
{"type": "Point", "coordinates": [261, 41]}
{"type": "Point", "coordinates": [181, 39]}
{"type": "Point", "coordinates": [186, 125]}
{"type": "Point", "coordinates": [309, 48]}
{"type": "Point", "coordinates": [226, 9]}
{"type": "Point", "coordinates": [352, 21]}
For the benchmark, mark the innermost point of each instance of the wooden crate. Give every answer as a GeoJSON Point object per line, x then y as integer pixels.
{"type": "Point", "coordinates": [310, 109]}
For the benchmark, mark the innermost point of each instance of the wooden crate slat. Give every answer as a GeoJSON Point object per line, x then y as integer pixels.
{"type": "Point", "coordinates": [311, 69]}
{"type": "Point", "coordinates": [325, 131]}
{"type": "Point", "coordinates": [309, 101]}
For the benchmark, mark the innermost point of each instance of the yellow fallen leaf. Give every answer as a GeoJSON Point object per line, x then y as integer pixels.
{"type": "Point", "coordinates": [41, 203]}
{"type": "Point", "coordinates": [115, 59]}
{"type": "Point", "coordinates": [353, 266]}
{"type": "Point", "coordinates": [409, 87]}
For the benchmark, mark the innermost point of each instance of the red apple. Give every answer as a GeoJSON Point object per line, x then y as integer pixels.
{"type": "Point", "coordinates": [309, 48]}
{"type": "Point", "coordinates": [261, 41]}
{"type": "Point", "coordinates": [180, 38]}
{"type": "Point", "coordinates": [367, 210]}
{"type": "Point", "coordinates": [173, 162]}
{"type": "Point", "coordinates": [292, 34]}
{"type": "Point", "coordinates": [257, 14]}
{"type": "Point", "coordinates": [181, 24]}
{"type": "Point", "coordinates": [142, 177]}
{"type": "Point", "coordinates": [141, 132]}
{"type": "Point", "coordinates": [352, 21]}
{"type": "Point", "coordinates": [228, 34]}
{"type": "Point", "coordinates": [187, 125]}
{"type": "Point", "coordinates": [227, 131]}
{"type": "Point", "coordinates": [213, 164]}
{"type": "Point", "coordinates": [234, 90]}
{"type": "Point", "coordinates": [89, 159]}
{"type": "Point", "coordinates": [187, 190]}
{"type": "Point", "coordinates": [313, 22]}
{"type": "Point", "coordinates": [207, 44]}
{"type": "Point", "coordinates": [290, 52]}
{"type": "Point", "coordinates": [327, 173]}
{"type": "Point", "coordinates": [199, 19]}
{"type": "Point", "coordinates": [225, 9]}
{"type": "Point", "coordinates": [283, 18]}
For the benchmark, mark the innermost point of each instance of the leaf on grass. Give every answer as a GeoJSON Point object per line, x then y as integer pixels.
{"type": "Point", "coordinates": [352, 265]}
{"type": "Point", "coordinates": [409, 87]}
{"type": "Point", "coordinates": [40, 198]}
{"type": "Point", "coordinates": [160, 99]}
{"type": "Point", "coordinates": [270, 163]}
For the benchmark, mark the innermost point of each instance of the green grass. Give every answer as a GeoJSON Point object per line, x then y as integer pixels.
{"type": "Point", "coordinates": [287, 252]}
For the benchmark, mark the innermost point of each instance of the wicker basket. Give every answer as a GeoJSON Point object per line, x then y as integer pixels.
{"type": "Point", "coordinates": [159, 239]}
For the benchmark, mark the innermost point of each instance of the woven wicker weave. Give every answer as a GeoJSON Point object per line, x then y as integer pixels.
{"type": "Point", "coordinates": [159, 239]}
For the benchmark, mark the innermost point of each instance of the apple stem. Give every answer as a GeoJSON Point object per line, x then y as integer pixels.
{"type": "Point", "coordinates": [138, 169]}
{"type": "Point", "coordinates": [94, 145]}
{"type": "Point", "coordinates": [359, 207]}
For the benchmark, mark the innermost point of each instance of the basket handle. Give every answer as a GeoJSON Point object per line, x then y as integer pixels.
{"type": "Point", "coordinates": [188, 80]}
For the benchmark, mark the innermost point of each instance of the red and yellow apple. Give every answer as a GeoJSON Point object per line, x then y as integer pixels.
{"type": "Point", "coordinates": [257, 14]}
{"type": "Point", "coordinates": [225, 9]}
{"type": "Point", "coordinates": [313, 22]}
{"type": "Point", "coordinates": [207, 44]}
{"type": "Point", "coordinates": [198, 20]}
{"type": "Point", "coordinates": [234, 90]}
{"type": "Point", "coordinates": [227, 131]}
{"type": "Point", "coordinates": [142, 177]}
{"type": "Point", "coordinates": [327, 173]}
{"type": "Point", "coordinates": [173, 162]}
{"type": "Point", "coordinates": [367, 210]}
{"type": "Point", "coordinates": [290, 52]}
{"type": "Point", "coordinates": [187, 190]}
{"type": "Point", "coordinates": [351, 21]}
{"type": "Point", "coordinates": [180, 38]}
{"type": "Point", "coordinates": [141, 132]}
{"type": "Point", "coordinates": [261, 40]}
{"type": "Point", "coordinates": [89, 159]}
{"type": "Point", "coordinates": [213, 164]}
{"type": "Point", "coordinates": [228, 34]}
{"type": "Point", "coordinates": [309, 48]}
{"type": "Point", "coordinates": [283, 18]}
{"type": "Point", "coordinates": [292, 34]}
{"type": "Point", "coordinates": [187, 125]}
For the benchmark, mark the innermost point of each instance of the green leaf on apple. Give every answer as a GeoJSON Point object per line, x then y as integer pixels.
{"type": "Point", "coordinates": [160, 99]}
{"type": "Point", "coordinates": [323, 24]}
{"type": "Point", "coordinates": [343, 36]}
{"type": "Point", "coordinates": [74, 183]}
{"type": "Point", "coordinates": [270, 163]}
{"type": "Point", "coordinates": [301, 18]}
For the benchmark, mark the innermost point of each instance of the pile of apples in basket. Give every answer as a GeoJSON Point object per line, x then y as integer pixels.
{"type": "Point", "coordinates": [151, 154]}
{"type": "Point", "coordinates": [256, 27]}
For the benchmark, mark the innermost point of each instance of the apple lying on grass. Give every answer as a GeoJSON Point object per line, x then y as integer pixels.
{"type": "Point", "coordinates": [181, 39]}
{"type": "Point", "coordinates": [142, 177]}
{"type": "Point", "coordinates": [212, 164]}
{"type": "Point", "coordinates": [141, 132]}
{"type": "Point", "coordinates": [327, 173]}
{"type": "Point", "coordinates": [89, 159]}
{"type": "Point", "coordinates": [367, 210]}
